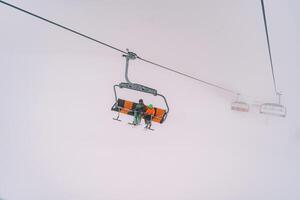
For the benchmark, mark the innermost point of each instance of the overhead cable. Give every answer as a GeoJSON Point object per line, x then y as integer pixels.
{"type": "Point", "coordinates": [269, 46]}
{"type": "Point", "coordinates": [61, 26]}
{"type": "Point", "coordinates": [117, 49]}
{"type": "Point", "coordinates": [188, 76]}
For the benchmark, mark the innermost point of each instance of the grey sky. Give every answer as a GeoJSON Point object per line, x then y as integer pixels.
{"type": "Point", "coordinates": [57, 136]}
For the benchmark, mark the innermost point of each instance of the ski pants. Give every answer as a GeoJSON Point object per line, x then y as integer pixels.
{"type": "Point", "coordinates": [137, 117]}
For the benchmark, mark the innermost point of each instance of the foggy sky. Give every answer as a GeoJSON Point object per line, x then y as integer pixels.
{"type": "Point", "coordinates": [57, 136]}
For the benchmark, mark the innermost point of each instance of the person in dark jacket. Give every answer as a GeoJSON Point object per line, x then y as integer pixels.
{"type": "Point", "coordinates": [138, 112]}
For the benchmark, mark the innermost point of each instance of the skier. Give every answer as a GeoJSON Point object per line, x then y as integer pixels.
{"type": "Point", "coordinates": [150, 112]}
{"type": "Point", "coordinates": [138, 112]}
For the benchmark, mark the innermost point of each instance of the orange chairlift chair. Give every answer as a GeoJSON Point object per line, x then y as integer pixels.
{"type": "Point", "coordinates": [127, 107]}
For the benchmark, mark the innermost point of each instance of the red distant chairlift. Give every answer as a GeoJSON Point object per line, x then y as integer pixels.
{"type": "Point", "coordinates": [239, 105]}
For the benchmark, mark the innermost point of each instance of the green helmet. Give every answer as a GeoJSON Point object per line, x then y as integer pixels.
{"type": "Point", "coordinates": [150, 106]}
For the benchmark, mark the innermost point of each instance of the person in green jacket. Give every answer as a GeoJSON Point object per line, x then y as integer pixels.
{"type": "Point", "coordinates": [138, 112]}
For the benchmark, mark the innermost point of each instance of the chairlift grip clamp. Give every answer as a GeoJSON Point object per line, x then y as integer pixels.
{"type": "Point", "coordinates": [130, 55]}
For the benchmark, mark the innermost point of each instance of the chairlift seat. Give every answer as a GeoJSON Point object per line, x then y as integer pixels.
{"type": "Point", "coordinates": [240, 106]}
{"type": "Point", "coordinates": [273, 109]}
{"type": "Point", "coordinates": [127, 107]}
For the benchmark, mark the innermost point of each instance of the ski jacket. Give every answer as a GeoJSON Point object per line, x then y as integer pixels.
{"type": "Point", "coordinates": [150, 111]}
{"type": "Point", "coordinates": [140, 107]}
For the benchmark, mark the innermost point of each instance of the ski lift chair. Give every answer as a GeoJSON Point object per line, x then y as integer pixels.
{"type": "Point", "coordinates": [126, 106]}
{"type": "Point", "coordinates": [276, 109]}
{"type": "Point", "coordinates": [240, 105]}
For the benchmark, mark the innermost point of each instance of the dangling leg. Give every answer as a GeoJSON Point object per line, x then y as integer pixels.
{"type": "Point", "coordinates": [146, 118]}
{"type": "Point", "coordinates": [139, 118]}
{"type": "Point", "coordinates": [149, 123]}
{"type": "Point", "coordinates": [135, 118]}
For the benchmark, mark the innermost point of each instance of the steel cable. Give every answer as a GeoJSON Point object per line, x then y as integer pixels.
{"type": "Point", "coordinates": [117, 49]}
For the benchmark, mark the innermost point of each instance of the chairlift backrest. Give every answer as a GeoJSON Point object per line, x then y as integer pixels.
{"type": "Point", "coordinates": [127, 107]}
{"type": "Point", "coordinates": [240, 106]}
{"type": "Point", "coordinates": [273, 109]}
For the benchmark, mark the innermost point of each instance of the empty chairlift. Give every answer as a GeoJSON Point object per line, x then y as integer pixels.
{"type": "Point", "coordinates": [276, 109]}
{"type": "Point", "coordinates": [239, 105]}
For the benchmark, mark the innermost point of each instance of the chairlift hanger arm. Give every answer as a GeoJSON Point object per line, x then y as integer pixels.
{"type": "Point", "coordinates": [128, 56]}
{"type": "Point", "coordinates": [115, 92]}
{"type": "Point", "coordinates": [167, 105]}
{"type": "Point", "coordinates": [134, 86]}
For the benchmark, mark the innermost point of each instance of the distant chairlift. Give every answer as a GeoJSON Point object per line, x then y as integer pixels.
{"type": "Point", "coordinates": [127, 107]}
{"type": "Point", "coordinates": [239, 105]}
{"type": "Point", "coordinates": [276, 109]}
